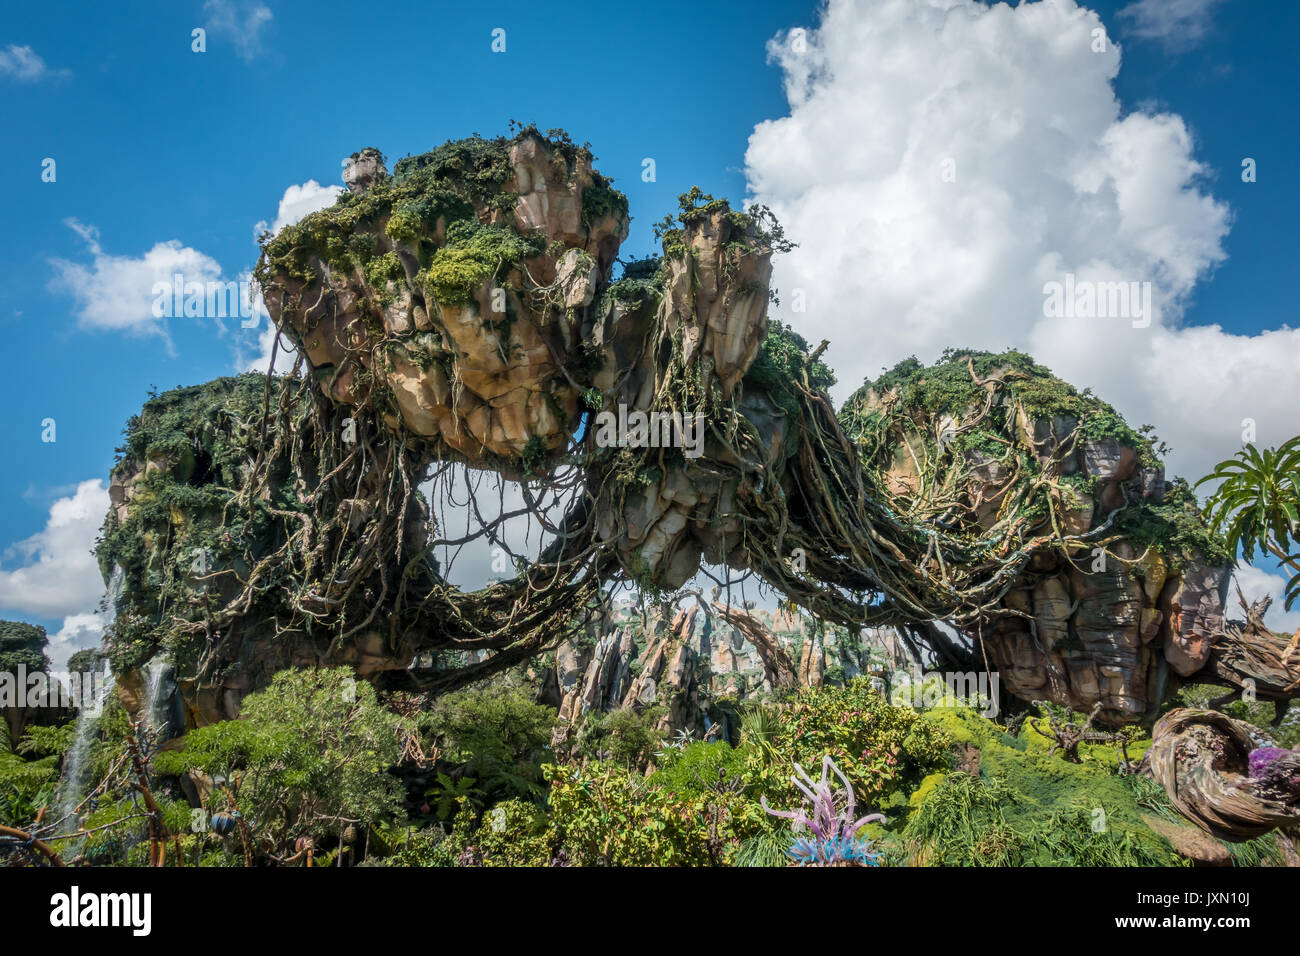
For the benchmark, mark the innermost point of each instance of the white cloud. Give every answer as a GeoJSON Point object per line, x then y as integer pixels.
{"type": "Point", "coordinates": [116, 292]}
{"type": "Point", "coordinates": [1050, 178]}
{"type": "Point", "coordinates": [1179, 24]}
{"type": "Point", "coordinates": [56, 574]}
{"type": "Point", "coordinates": [78, 632]}
{"type": "Point", "coordinates": [1256, 583]}
{"type": "Point", "coordinates": [25, 65]}
{"type": "Point", "coordinates": [285, 356]}
{"type": "Point", "coordinates": [241, 23]}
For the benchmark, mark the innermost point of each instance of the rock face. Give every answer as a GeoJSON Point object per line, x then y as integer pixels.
{"type": "Point", "coordinates": [1097, 636]}
{"type": "Point", "coordinates": [687, 660]}
{"type": "Point", "coordinates": [488, 327]}
{"type": "Point", "coordinates": [712, 314]}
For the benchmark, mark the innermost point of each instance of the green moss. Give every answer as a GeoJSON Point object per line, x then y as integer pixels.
{"type": "Point", "coordinates": [1029, 809]}
{"type": "Point", "coordinates": [947, 388]}
{"type": "Point", "coordinates": [1175, 528]}
{"type": "Point", "coordinates": [460, 182]}
{"type": "Point", "coordinates": [474, 254]}
{"type": "Point", "coordinates": [184, 455]}
{"type": "Point", "coordinates": [384, 268]}
{"type": "Point", "coordinates": [601, 199]}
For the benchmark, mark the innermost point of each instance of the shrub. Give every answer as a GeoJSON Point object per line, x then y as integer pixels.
{"type": "Point", "coordinates": [879, 748]}
{"type": "Point", "coordinates": [308, 755]}
{"type": "Point", "coordinates": [627, 737]}
{"type": "Point", "coordinates": [499, 736]}
{"type": "Point", "coordinates": [607, 816]}
{"type": "Point", "coordinates": [514, 833]}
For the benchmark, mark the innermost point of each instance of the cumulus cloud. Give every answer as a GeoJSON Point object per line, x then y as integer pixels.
{"type": "Point", "coordinates": [115, 293]}
{"type": "Point", "coordinates": [55, 574]}
{"type": "Point", "coordinates": [240, 23]}
{"type": "Point", "coordinates": [943, 160]}
{"type": "Point", "coordinates": [25, 65]}
{"type": "Point", "coordinates": [1178, 24]}
{"type": "Point", "coordinates": [78, 632]}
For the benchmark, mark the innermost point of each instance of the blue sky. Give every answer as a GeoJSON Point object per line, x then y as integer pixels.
{"type": "Point", "coordinates": [155, 143]}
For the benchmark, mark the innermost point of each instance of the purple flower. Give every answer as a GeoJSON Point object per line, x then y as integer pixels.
{"type": "Point", "coordinates": [832, 825]}
{"type": "Point", "coordinates": [1262, 758]}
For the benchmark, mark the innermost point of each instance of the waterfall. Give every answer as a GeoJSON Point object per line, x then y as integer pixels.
{"type": "Point", "coordinates": [73, 785]}
{"type": "Point", "coordinates": [158, 690]}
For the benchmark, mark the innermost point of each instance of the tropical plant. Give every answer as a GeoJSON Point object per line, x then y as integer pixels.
{"type": "Point", "coordinates": [498, 735]}
{"type": "Point", "coordinates": [1257, 505]}
{"type": "Point", "coordinates": [309, 756]}
{"type": "Point", "coordinates": [628, 737]}
{"type": "Point", "coordinates": [447, 795]}
{"type": "Point", "coordinates": [826, 830]}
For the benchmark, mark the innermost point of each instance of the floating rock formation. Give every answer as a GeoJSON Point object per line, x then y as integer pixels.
{"type": "Point", "coordinates": [1129, 598]}
{"type": "Point", "coordinates": [462, 309]}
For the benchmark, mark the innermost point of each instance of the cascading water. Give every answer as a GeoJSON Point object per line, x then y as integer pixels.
{"type": "Point", "coordinates": [73, 785]}
{"type": "Point", "coordinates": [158, 690]}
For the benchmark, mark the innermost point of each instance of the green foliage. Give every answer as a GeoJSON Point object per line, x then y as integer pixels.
{"type": "Point", "coordinates": [514, 833]}
{"type": "Point", "coordinates": [457, 186]}
{"type": "Point", "coordinates": [496, 735]}
{"type": "Point", "coordinates": [603, 815]}
{"type": "Point", "coordinates": [447, 796]}
{"type": "Point", "coordinates": [473, 255]}
{"type": "Point", "coordinates": [25, 785]}
{"type": "Point", "coordinates": [425, 847]}
{"type": "Point", "coordinates": [600, 200]}
{"type": "Point", "coordinates": [699, 767]}
{"type": "Point", "coordinates": [308, 755]}
{"type": "Point", "coordinates": [978, 821]}
{"type": "Point", "coordinates": [1257, 505]}
{"type": "Point", "coordinates": [947, 387]}
{"type": "Point", "coordinates": [22, 645]}
{"type": "Point", "coordinates": [751, 230]}
{"type": "Point", "coordinates": [628, 738]}
{"type": "Point", "coordinates": [933, 439]}
{"type": "Point", "coordinates": [1027, 808]}
{"type": "Point", "coordinates": [763, 849]}
{"type": "Point", "coordinates": [782, 360]}
{"type": "Point", "coordinates": [185, 452]}
{"type": "Point", "coordinates": [880, 748]}
{"type": "Point", "coordinates": [1174, 527]}
{"type": "Point", "coordinates": [45, 741]}
{"type": "Point", "coordinates": [383, 268]}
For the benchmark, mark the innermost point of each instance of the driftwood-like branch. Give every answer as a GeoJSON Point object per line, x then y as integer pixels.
{"type": "Point", "coordinates": [1201, 758]}
{"type": "Point", "coordinates": [777, 665]}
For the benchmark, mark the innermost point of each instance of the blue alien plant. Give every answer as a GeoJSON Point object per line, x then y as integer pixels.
{"type": "Point", "coordinates": [825, 832]}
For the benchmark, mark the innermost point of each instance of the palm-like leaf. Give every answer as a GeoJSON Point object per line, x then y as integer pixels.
{"type": "Point", "coordinates": [1257, 504]}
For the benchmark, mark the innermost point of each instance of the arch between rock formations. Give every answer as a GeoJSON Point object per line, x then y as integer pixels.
{"type": "Point", "coordinates": [462, 310]}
